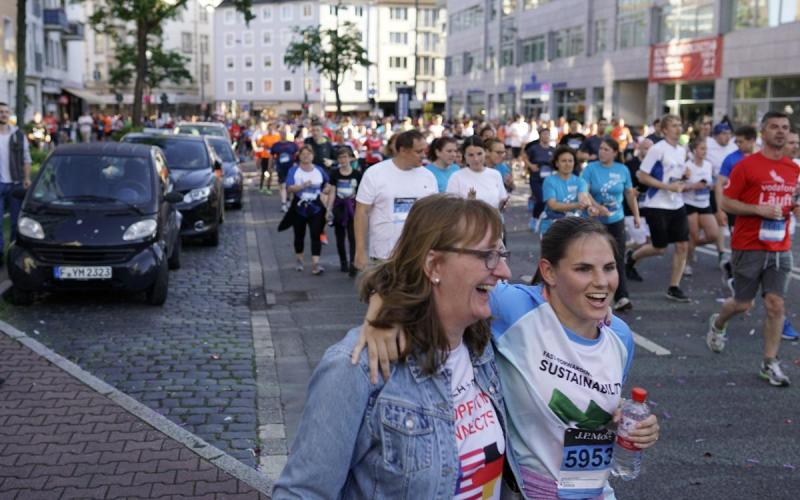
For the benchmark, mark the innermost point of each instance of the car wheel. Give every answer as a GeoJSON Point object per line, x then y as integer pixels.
{"type": "Point", "coordinates": [213, 237]}
{"type": "Point", "coordinates": [21, 297]}
{"type": "Point", "coordinates": [174, 261]}
{"type": "Point", "coordinates": [157, 294]}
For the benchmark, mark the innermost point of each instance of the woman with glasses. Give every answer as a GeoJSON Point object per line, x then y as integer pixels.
{"type": "Point", "coordinates": [561, 364]}
{"type": "Point", "coordinates": [435, 426]}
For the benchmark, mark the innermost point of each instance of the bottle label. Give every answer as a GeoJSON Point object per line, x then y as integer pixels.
{"type": "Point", "coordinates": [585, 463]}
{"type": "Point", "coordinates": [627, 444]}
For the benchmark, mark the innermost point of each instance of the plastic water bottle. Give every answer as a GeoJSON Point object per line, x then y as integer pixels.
{"type": "Point", "coordinates": [627, 456]}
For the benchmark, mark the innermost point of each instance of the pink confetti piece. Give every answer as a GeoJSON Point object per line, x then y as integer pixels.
{"type": "Point", "coordinates": [667, 415]}
{"type": "Point", "coordinates": [752, 461]}
{"type": "Point", "coordinates": [788, 466]}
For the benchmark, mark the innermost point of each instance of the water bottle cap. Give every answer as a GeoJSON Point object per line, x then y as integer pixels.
{"type": "Point", "coordinates": [638, 394]}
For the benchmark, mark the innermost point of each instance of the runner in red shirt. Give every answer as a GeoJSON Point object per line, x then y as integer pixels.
{"type": "Point", "coordinates": [760, 192]}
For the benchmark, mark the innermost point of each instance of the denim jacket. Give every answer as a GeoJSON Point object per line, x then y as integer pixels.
{"type": "Point", "coordinates": [392, 440]}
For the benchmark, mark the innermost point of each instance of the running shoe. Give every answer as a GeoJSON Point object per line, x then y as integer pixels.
{"type": "Point", "coordinates": [716, 338]}
{"type": "Point", "coordinates": [299, 267]}
{"type": "Point", "coordinates": [676, 294]}
{"type": "Point", "coordinates": [688, 271]}
{"type": "Point", "coordinates": [323, 238]}
{"type": "Point", "coordinates": [630, 267]}
{"type": "Point", "coordinates": [623, 304]}
{"type": "Point", "coordinates": [789, 333]}
{"type": "Point", "coordinates": [284, 207]}
{"type": "Point", "coordinates": [317, 270]}
{"type": "Point", "coordinates": [344, 267]}
{"type": "Point", "coordinates": [772, 372]}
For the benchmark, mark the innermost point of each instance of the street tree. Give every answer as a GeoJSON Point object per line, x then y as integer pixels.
{"type": "Point", "coordinates": [332, 52]}
{"type": "Point", "coordinates": [137, 28]}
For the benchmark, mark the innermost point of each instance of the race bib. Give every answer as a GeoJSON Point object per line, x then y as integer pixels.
{"type": "Point", "coordinates": [772, 231]}
{"type": "Point", "coordinates": [284, 158]}
{"type": "Point", "coordinates": [345, 188]}
{"type": "Point", "coordinates": [545, 172]}
{"type": "Point", "coordinates": [401, 208]}
{"type": "Point", "coordinates": [586, 463]}
{"type": "Point", "coordinates": [702, 194]}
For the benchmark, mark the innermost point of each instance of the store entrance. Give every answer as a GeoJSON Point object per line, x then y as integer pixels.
{"type": "Point", "coordinates": [693, 112]}
{"type": "Point", "coordinates": [690, 101]}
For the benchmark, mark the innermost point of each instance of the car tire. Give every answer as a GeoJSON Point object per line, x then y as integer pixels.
{"type": "Point", "coordinates": [157, 294]}
{"type": "Point", "coordinates": [174, 261]}
{"type": "Point", "coordinates": [237, 204]}
{"type": "Point", "coordinates": [21, 297]}
{"type": "Point", "coordinates": [213, 237]}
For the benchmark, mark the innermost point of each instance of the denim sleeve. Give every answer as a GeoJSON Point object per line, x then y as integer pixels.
{"type": "Point", "coordinates": [322, 453]}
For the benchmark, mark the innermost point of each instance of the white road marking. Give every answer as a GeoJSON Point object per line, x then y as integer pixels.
{"type": "Point", "coordinates": [649, 345]}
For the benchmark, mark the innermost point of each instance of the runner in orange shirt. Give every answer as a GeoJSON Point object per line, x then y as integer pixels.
{"type": "Point", "coordinates": [264, 141]}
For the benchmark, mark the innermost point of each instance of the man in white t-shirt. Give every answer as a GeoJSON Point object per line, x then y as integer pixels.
{"type": "Point", "coordinates": [385, 196]}
{"type": "Point", "coordinates": [719, 145]}
{"type": "Point", "coordinates": [663, 172]}
{"type": "Point", "coordinates": [518, 132]}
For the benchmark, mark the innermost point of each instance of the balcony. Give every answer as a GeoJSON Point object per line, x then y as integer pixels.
{"type": "Point", "coordinates": [56, 20]}
{"type": "Point", "coordinates": [75, 32]}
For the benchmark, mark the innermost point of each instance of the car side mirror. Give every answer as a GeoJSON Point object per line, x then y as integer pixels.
{"type": "Point", "coordinates": [173, 197]}
{"type": "Point", "coordinates": [19, 193]}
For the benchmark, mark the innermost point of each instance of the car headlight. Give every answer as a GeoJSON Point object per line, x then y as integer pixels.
{"type": "Point", "coordinates": [200, 194]}
{"type": "Point", "coordinates": [140, 230]}
{"type": "Point", "coordinates": [30, 228]}
{"type": "Point", "coordinates": [229, 181]}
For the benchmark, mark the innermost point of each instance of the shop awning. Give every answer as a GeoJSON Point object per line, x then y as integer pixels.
{"type": "Point", "coordinates": [88, 96]}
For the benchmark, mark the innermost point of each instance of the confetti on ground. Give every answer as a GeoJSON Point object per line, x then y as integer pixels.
{"type": "Point", "coordinates": [681, 381]}
{"type": "Point", "coordinates": [720, 300]}
{"type": "Point", "coordinates": [752, 332]}
{"type": "Point", "coordinates": [753, 461]}
{"type": "Point", "coordinates": [36, 332]}
{"type": "Point", "coordinates": [667, 415]}
{"type": "Point", "coordinates": [731, 384]}
{"type": "Point", "coordinates": [788, 466]}
{"type": "Point", "coordinates": [214, 356]}
{"type": "Point", "coordinates": [228, 419]}
{"type": "Point", "coordinates": [788, 421]}
{"type": "Point", "coordinates": [699, 440]}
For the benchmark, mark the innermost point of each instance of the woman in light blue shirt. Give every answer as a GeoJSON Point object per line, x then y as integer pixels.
{"type": "Point", "coordinates": [608, 181]}
{"type": "Point", "coordinates": [564, 193]}
{"type": "Point", "coordinates": [442, 154]}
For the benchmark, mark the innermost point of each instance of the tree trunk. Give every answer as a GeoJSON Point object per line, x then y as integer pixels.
{"type": "Point", "coordinates": [141, 72]}
{"type": "Point", "coordinates": [21, 53]}
{"type": "Point", "coordinates": [338, 99]}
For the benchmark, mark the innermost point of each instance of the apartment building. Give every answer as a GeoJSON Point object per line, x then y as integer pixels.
{"type": "Point", "coordinates": [189, 34]}
{"type": "Point", "coordinates": [251, 76]}
{"type": "Point", "coordinates": [630, 58]}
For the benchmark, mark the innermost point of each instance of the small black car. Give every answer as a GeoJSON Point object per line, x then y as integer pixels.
{"type": "Point", "coordinates": [98, 216]}
{"type": "Point", "coordinates": [232, 178]}
{"type": "Point", "coordinates": [193, 167]}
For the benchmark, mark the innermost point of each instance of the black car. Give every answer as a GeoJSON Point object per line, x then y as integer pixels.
{"type": "Point", "coordinates": [193, 168]}
{"type": "Point", "coordinates": [232, 178]}
{"type": "Point", "coordinates": [98, 216]}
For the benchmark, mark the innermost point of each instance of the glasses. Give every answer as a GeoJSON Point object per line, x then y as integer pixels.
{"type": "Point", "coordinates": [490, 257]}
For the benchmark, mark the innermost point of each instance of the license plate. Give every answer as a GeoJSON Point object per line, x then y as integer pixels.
{"type": "Point", "coordinates": [82, 272]}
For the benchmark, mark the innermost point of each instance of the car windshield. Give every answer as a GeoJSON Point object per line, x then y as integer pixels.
{"type": "Point", "coordinates": [187, 154]}
{"type": "Point", "coordinates": [223, 150]}
{"type": "Point", "coordinates": [67, 180]}
{"type": "Point", "coordinates": [202, 130]}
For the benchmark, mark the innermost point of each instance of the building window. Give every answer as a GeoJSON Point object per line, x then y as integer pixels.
{"type": "Point", "coordinates": [306, 10]}
{"type": "Point", "coordinates": [428, 17]}
{"type": "Point", "coordinates": [205, 73]}
{"type": "Point", "coordinates": [571, 104]}
{"type": "Point", "coordinates": [186, 43]}
{"type": "Point", "coordinates": [532, 4]}
{"type": "Point", "coordinates": [204, 44]}
{"type": "Point", "coordinates": [267, 60]}
{"type": "Point", "coordinates": [359, 85]}
{"type": "Point", "coordinates": [359, 11]}
{"type": "Point", "coordinates": [230, 63]}
{"type": "Point", "coordinates": [764, 13]}
{"type": "Point", "coordinates": [598, 101]}
{"type": "Point", "coordinates": [398, 62]}
{"type": "Point", "coordinates": [286, 37]}
{"type": "Point", "coordinates": [287, 85]}
{"type": "Point", "coordinates": [266, 38]}
{"type": "Point", "coordinates": [229, 16]}
{"type": "Point", "coordinates": [507, 56]}
{"type": "Point", "coordinates": [466, 19]}
{"type": "Point", "coordinates": [267, 86]}
{"type": "Point", "coordinates": [533, 49]}
{"type": "Point", "coordinates": [248, 86]}
{"type": "Point", "coordinates": [600, 36]}
{"type": "Point", "coordinates": [393, 85]}
{"type": "Point", "coordinates": [202, 14]}
{"type": "Point", "coordinates": [99, 71]}
{"type": "Point", "coordinates": [686, 19]}
{"type": "Point", "coordinates": [8, 35]}
{"type": "Point", "coordinates": [398, 38]}
{"type": "Point", "coordinates": [286, 12]}
{"type": "Point", "coordinates": [248, 62]}
{"type": "Point", "coordinates": [266, 13]}
{"type": "Point", "coordinates": [398, 13]}
{"type": "Point", "coordinates": [752, 97]}
{"type": "Point", "coordinates": [426, 65]}
{"type": "Point", "coordinates": [508, 7]}
{"type": "Point", "coordinates": [632, 23]}
{"type": "Point", "coordinates": [230, 86]}
{"type": "Point", "coordinates": [247, 39]}
{"type": "Point", "coordinates": [569, 42]}
{"type": "Point", "coordinates": [229, 40]}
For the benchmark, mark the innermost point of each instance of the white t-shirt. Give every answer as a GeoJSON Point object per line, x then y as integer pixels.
{"type": "Point", "coordinates": [716, 154]}
{"type": "Point", "coordinates": [479, 436]}
{"type": "Point", "coordinates": [488, 185]}
{"type": "Point", "coordinates": [700, 198]}
{"type": "Point", "coordinates": [518, 131]}
{"type": "Point", "coordinates": [667, 164]}
{"type": "Point", "coordinates": [391, 192]}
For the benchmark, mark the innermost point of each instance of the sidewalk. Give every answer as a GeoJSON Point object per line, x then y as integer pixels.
{"type": "Point", "coordinates": [66, 434]}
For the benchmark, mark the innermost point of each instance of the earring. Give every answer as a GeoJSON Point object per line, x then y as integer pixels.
{"type": "Point", "coordinates": [436, 281]}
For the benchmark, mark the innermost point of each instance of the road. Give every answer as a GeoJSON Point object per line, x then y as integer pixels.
{"type": "Point", "coordinates": [725, 433]}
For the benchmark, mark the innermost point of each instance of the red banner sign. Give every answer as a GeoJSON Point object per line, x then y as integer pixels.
{"type": "Point", "coordinates": [699, 59]}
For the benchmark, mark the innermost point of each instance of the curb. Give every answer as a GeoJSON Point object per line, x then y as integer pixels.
{"type": "Point", "coordinates": [162, 424]}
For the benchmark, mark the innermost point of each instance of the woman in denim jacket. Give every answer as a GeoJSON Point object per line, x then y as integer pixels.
{"type": "Point", "coordinates": [435, 428]}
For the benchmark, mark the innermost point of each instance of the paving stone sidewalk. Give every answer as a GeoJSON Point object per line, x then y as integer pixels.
{"type": "Point", "coordinates": [60, 438]}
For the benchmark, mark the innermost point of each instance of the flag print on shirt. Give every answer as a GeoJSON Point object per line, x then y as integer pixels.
{"type": "Point", "coordinates": [480, 472]}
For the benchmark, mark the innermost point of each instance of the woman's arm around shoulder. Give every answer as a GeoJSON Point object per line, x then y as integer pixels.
{"type": "Point", "coordinates": [321, 455]}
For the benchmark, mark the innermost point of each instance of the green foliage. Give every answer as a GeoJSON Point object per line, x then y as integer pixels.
{"type": "Point", "coordinates": [333, 52]}
{"type": "Point", "coordinates": [37, 157]}
{"type": "Point", "coordinates": [161, 66]}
